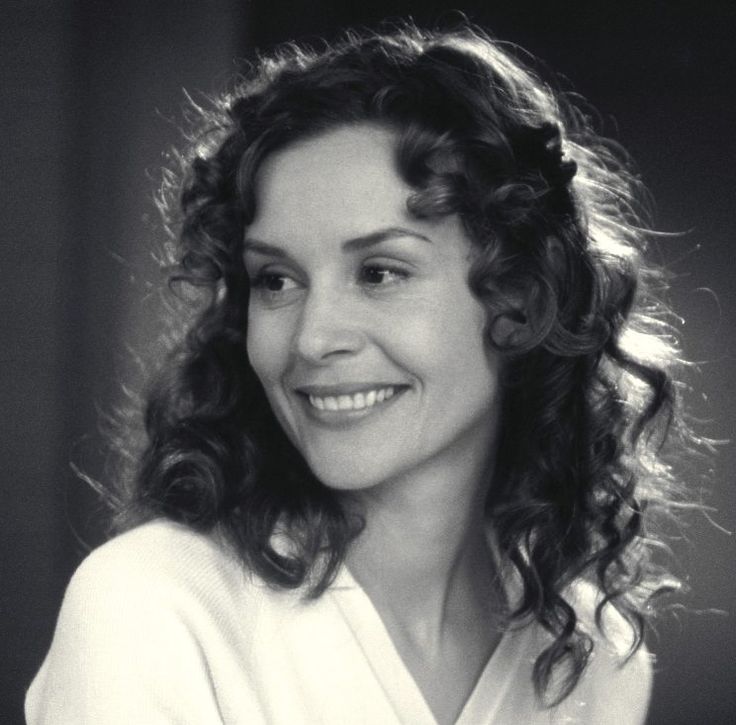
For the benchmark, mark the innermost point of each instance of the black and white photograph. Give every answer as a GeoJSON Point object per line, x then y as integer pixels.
{"type": "Point", "coordinates": [368, 365]}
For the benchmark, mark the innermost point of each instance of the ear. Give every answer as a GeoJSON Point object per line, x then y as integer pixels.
{"type": "Point", "coordinates": [510, 329]}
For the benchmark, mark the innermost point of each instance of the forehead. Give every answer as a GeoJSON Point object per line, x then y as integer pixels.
{"type": "Point", "coordinates": [338, 182]}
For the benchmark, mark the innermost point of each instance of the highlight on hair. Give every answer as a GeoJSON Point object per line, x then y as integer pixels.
{"type": "Point", "coordinates": [590, 396]}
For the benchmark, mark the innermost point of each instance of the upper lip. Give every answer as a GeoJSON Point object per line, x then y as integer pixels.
{"type": "Point", "coordinates": [325, 391]}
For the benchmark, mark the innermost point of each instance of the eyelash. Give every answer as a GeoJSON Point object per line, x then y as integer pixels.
{"type": "Point", "coordinates": [398, 273]}
{"type": "Point", "coordinates": [262, 279]}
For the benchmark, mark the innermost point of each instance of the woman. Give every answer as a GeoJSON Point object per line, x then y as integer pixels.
{"type": "Point", "coordinates": [405, 463]}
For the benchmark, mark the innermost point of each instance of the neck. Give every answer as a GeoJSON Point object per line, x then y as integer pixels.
{"type": "Point", "coordinates": [423, 557]}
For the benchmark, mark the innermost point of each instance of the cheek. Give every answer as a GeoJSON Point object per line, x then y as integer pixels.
{"type": "Point", "coordinates": [466, 368]}
{"type": "Point", "coordinates": [455, 332]}
{"type": "Point", "coordinates": [267, 349]}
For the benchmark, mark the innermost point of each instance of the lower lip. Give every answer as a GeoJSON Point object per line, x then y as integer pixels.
{"type": "Point", "coordinates": [340, 417]}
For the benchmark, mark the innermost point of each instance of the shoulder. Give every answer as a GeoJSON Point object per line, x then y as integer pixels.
{"type": "Point", "coordinates": [615, 634]}
{"type": "Point", "coordinates": [160, 557]}
{"type": "Point", "coordinates": [160, 544]}
{"type": "Point", "coordinates": [617, 682]}
{"type": "Point", "coordinates": [149, 580]}
{"type": "Point", "coordinates": [141, 618]}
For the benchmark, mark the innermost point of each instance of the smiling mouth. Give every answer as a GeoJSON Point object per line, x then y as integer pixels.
{"type": "Point", "coordinates": [357, 401]}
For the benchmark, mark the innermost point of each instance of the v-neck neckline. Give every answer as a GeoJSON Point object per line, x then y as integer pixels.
{"type": "Point", "coordinates": [395, 678]}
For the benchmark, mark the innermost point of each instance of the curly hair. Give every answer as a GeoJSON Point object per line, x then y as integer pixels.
{"type": "Point", "coordinates": [557, 217]}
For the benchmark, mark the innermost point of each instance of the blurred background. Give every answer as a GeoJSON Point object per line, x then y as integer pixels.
{"type": "Point", "coordinates": [92, 93]}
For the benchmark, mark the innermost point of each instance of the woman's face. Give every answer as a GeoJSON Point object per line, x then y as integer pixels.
{"type": "Point", "coordinates": [361, 325]}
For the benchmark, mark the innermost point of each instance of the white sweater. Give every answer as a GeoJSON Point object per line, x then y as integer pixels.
{"type": "Point", "coordinates": [164, 625]}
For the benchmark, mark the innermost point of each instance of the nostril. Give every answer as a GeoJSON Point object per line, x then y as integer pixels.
{"type": "Point", "coordinates": [321, 345]}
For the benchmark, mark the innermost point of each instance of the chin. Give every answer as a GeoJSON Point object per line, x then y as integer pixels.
{"type": "Point", "coordinates": [347, 477]}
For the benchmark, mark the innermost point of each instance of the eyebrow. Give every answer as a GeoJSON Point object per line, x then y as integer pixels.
{"type": "Point", "coordinates": [363, 241]}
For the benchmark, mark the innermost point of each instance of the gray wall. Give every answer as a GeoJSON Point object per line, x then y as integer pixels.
{"type": "Point", "coordinates": [90, 90]}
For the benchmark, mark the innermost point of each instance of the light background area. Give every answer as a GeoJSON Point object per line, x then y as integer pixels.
{"type": "Point", "coordinates": [91, 94]}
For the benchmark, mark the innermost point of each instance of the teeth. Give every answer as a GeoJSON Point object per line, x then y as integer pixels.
{"type": "Point", "coordinates": [359, 401]}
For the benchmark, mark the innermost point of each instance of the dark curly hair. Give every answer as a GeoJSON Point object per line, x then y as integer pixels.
{"type": "Point", "coordinates": [557, 217]}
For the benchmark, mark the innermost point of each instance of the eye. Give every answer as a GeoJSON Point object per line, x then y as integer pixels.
{"type": "Point", "coordinates": [273, 286]}
{"type": "Point", "coordinates": [380, 274]}
{"type": "Point", "coordinates": [274, 282]}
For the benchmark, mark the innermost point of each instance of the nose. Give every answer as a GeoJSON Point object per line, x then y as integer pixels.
{"type": "Point", "coordinates": [329, 326]}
